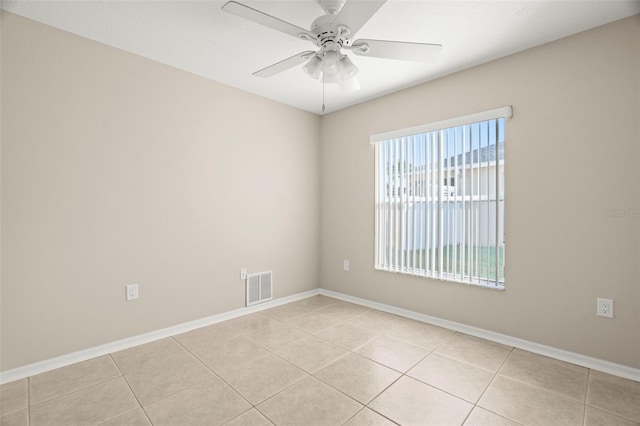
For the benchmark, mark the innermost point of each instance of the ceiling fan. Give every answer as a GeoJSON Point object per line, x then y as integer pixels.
{"type": "Point", "coordinates": [331, 34]}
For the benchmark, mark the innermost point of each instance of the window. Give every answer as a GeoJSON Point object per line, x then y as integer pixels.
{"type": "Point", "coordinates": [439, 199]}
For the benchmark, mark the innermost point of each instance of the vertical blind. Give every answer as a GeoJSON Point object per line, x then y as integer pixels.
{"type": "Point", "coordinates": [440, 199]}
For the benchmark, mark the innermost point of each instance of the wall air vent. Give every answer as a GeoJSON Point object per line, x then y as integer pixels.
{"type": "Point", "coordinates": [259, 287]}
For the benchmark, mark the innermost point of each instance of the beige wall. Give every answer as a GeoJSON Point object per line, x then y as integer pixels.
{"type": "Point", "coordinates": [572, 154]}
{"type": "Point", "coordinates": [118, 170]}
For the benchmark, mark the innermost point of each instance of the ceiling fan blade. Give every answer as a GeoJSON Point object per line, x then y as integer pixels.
{"type": "Point", "coordinates": [262, 18]}
{"type": "Point", "coordinates": [284, 65]}
{"type": "Point", "coordinates": [406, 51]}
{"type": "Point", "coordinates": [355, 13]}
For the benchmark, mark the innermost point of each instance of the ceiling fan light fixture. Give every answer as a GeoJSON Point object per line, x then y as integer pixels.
{"type": "Point", "coordinates": [314, 67]}
{"type": "Point", "coordinates": [330, 63]}
{"type": "Point", "coordinates": [347, 68]}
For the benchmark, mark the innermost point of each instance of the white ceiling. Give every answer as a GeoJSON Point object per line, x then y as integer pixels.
{"type": "Point", "coordinates": [197, 36]}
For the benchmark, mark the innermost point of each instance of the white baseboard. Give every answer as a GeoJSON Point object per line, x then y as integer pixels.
{"type": "Point", "coordinates": [86, 354]}
{"type": "Point", "coordinates": [560, 354]}
{"type": "Point", "coordinates": [83, 355]}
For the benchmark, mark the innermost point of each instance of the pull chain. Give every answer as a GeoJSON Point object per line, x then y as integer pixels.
{"type": "Point", "coordinates": [323, 92]}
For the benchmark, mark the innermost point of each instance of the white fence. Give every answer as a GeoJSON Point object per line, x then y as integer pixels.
{"type": "Point", "coordinates": [412, 231]}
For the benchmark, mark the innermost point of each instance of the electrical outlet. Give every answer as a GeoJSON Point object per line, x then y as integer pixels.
{"type": "Point", "coordinates": [132, 292]}
{"type": "Point", "coordinates": [605, 308]}
{"type": "Point", "coordinates": [345, 265]}
{"type": "Point", "coordinates": [243, 273]}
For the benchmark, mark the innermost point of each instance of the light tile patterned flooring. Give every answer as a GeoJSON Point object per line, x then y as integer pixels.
{"type": "Point", "coordinates": [321, 361]}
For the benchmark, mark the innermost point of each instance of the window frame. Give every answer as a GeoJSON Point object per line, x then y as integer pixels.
{"type": "Point", "coordinates": [437, 224]}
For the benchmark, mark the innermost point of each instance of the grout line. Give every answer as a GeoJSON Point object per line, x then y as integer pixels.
{"type": "Point", "coordinates": [245, 412]}
{"type": "Point", "coordinates": [349, 396]}
{"type": "Point", "coordinates": [506, 359]}
{"type": "Point", "coordinates": [611, 413]}
{"type": "Point", "coordinates": [468, 414]}
{"type": "Point", "coordinates": [586, 391]}
{"type": "Point", "coordinates": [442, 390]}
{"type": "Point", "coordinates": [202, 363]}
{"type": "Point", "coordinates": [377, 412]}
{"type": "Point", "coordinates": [586, 395]}
{"type": "Point", "coordinates": [366, 407]}
{"type": "Point", "coordinates": [307, 375]}
{"type": "Point", "coordinates": [604, 410]}
{"type": "Point", "coordinates": [218, 375]}
{"type": "Point", "coordinates": [447, 339]}
{"type": "Point", "coordinates": [354, 414]}
{"type": "Point", "coordinates": [555, 393]}
{"type": "Point", "coordinates": [130, 389]}
{"type": "Point", "coordinates": [201, 380]}
{"type": "Point", "coordinates": [463, 362]}
{"type": "Point", "coordinates": [121, 415]}
{"type": "Point", "coordinates": [385, 389]}
{"type": "Point", "coordinates": [497, 414]}
{"type": "Point", "coordinates": [74, 391]}
{"type": "Point", "coordinates": [85, 386]}
{"type": "Point", "coordinates": [495, 376]}
{"type": "Point", "coordinates": [583, 402]}
{"type": "Point", "coordinates": [264, 414]}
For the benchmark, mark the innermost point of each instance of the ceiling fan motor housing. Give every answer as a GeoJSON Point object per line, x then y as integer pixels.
{"type": "Point", "coordinates": [326, 33]}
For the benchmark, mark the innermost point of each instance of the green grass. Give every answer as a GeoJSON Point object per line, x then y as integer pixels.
{"type": "Point", "coordinates": [484, 268]}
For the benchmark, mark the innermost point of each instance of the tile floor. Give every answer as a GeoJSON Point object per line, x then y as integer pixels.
{"type": "Point", "coordinates": [321, 361]}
